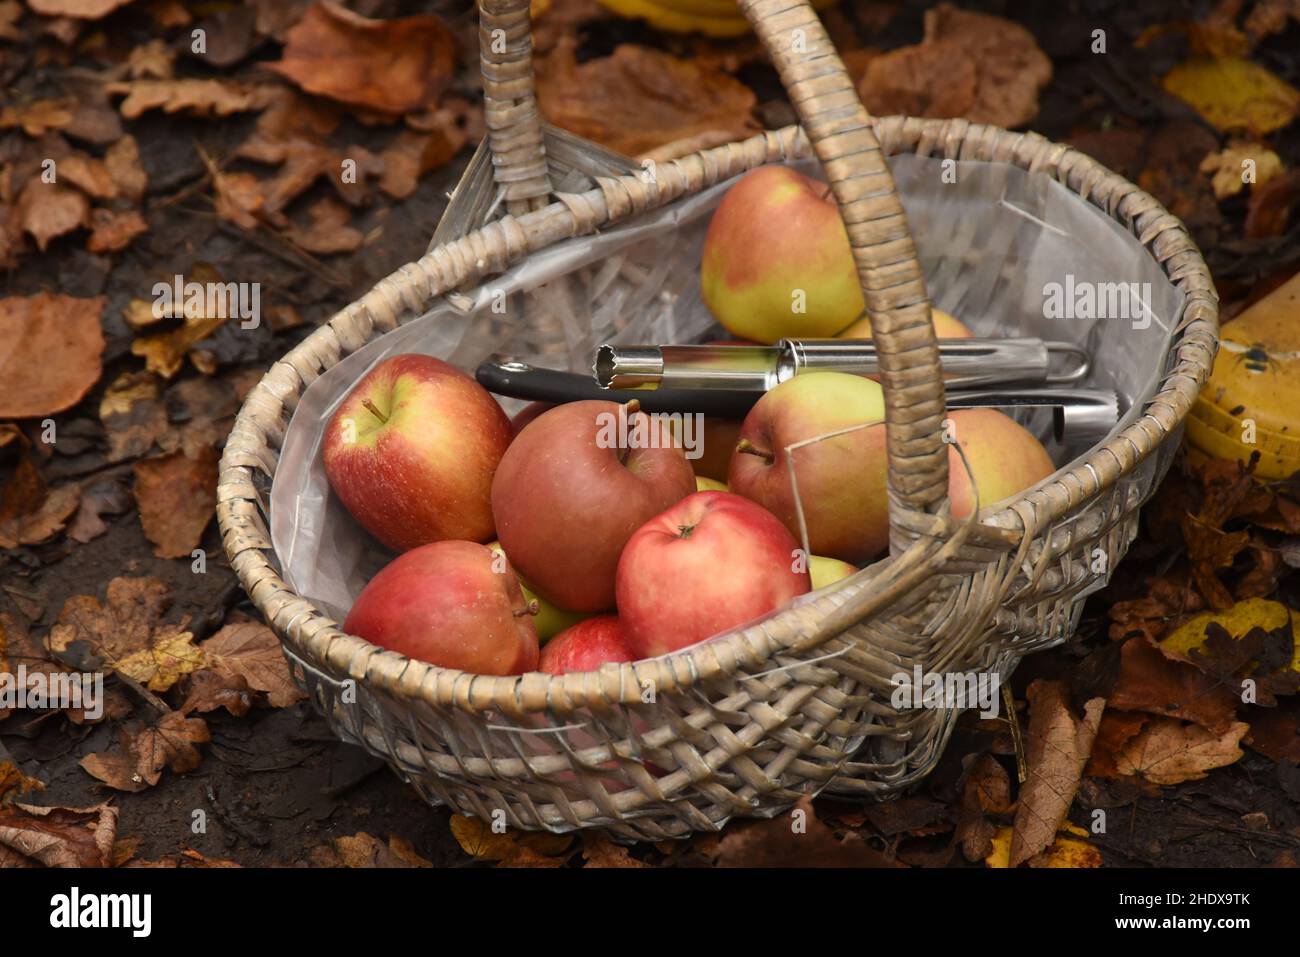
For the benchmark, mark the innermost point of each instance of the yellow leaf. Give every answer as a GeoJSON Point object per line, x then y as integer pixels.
{"type": "Point", "coordinates": [1237, 621]}
{"type": "Point", "coordinates": [161, 666]}
{"type": "Point", "coordinates": [1065, 851]}
{"type": "Point", "coordinates": [479, 841]}
{"type": "Point", "coordinates": [1228, 167]}
{"type": "Point", "coordinates": [1232, 93]}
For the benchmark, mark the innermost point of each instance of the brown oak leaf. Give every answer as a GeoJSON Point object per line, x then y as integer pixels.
{"type": "Point", "coordinates": [51, 356]}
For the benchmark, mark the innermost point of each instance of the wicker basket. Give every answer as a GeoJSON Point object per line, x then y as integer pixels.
{"type": "Point", "coordinates": [746, 723]}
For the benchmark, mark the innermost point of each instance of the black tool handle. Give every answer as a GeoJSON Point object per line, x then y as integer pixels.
{"type": "Point", "coordinates": [521, 380]}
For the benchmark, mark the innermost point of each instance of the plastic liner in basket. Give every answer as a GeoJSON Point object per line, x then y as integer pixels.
{"type": "Point", "coordinates": [996, 245]}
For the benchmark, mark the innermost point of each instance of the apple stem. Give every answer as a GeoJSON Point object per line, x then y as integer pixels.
{"type": "Point", "coordinates": [630, 408]}
{"type": "Point", "coordinates": [532, 608]}
{"type": "Point", "coordinates": [374, 410]}
{"type": "Point", "coordinates": [827, 194]}
{"type": "Point", "coordinates": [744, 445]}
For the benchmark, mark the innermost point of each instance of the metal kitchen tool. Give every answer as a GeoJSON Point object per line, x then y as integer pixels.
{"type": "Point", "coordinates": [967, 363]}
{"type": "Point", "coordinates": [1080, 415]}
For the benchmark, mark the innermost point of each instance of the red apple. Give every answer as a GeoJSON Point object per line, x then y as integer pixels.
{"type": "Point", "coordinates": [412, 450]}
{"type": "Point", "coordinates": [585, 646]}
{"type": "Point", "coordinates": [776, 259]}
{"type": "Point", "coordinates": [526, 415]}
{"type": "Point", "coordinates": [452, 604]}
{"type": "Point", "coordinates": [841, 480]}
{"type": "Point", "coordinates": [711, 562]}
{"type": "Point", "coordinates": [567, 498]}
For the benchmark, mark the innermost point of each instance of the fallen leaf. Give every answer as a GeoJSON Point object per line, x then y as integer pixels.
{"type": "Point", "coordinates": [639, 98]}
{"type": "Point", "coordinates": [60, 836]}
{"type": "Point", "coordinates": [1238, 163]}
{"type": "Point", "coordinates": [140, 758]}
{"type": "Point", "coordinates": [986, 792]}
{"type": "Point", "coordinates": [209, 691]}
{"type": "Point", "coordinates": [239, 198]}
{"type": "Point", "coordinates": [1275, 732]}
{"type": "Point", "coordinates": [1066, 850]}
{"type": "Point", "coordinates": [981, 67]}
{"type": "Point", "coordinates": [392, 66]}
{"type": "Point", "coordinates": [934, 79]}
{"type": "Point", "coordinates": [153, 60]}
{"type": "Point", "coordinates": [11, 11]}
{"type": "Point", "coordinates": [165, 352]}
{"type": "Point", "coordinates": [249, 652]}
{"type": "Point", "coordinates": [365, 850]}
{"type": "Point", "coordinates": [1253, 639]}
{"type": "Point", "coordinates": [88, 174]}
{"type": "Point", "coordinates": [177, 495]}
{"type": "Point", "coordinates": [478, 839]}
{"type": "Point", "coordinates": [208, 97]}
{"type": "Point", "coordinates": [229, 35]}
{"type": "Point", "coordinates": [1169, 751]}
{"type": "Point", "coordinates": [46, 519]}
{"type": "Point", "coordinates": [1233, 93]}
{"type": "Point", "coordinates": [796, 839]}
{"type": "Point", "coordinates": [53, 345]}
{"type": "Point", "coordinates": [133, 414]}
{"type": "Point", "coordinates": [123, 162]}
{"type": "Point", "coordinates": [1057, 748]}
{"type": "Point", "coordinates": [100, 497]}
{"type": "Point", "coordinates": [1116, 730]}
{"type": "Point", "coordinates": [37, 117]}
{"type": "Point", "coordinates": [1166, 603]}
{"type": "Point", "coordinates": [1154, 683]}
{"type": "Point", "coordinates": [601, 852]}
{"type": "Point", "coordinates": [329, 231]}
{"type": "Point", "coordinates": [125, 633]}
{"type": "Point", "coordinates": [413, 154]}
{"type": "Point", "coordinates": [13, 783]}
{"type": "Point", "coordinates": [113, 231]}
{"type": "Point", "coordinates": [77, 9]}
{"type": "Point", "coordinates": [19, 647]}
{"type": "Point", "coordinates": [47, 211]}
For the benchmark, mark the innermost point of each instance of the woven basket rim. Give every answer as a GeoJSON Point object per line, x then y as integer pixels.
{"type": "Point", "coordinates": [1011, 525]}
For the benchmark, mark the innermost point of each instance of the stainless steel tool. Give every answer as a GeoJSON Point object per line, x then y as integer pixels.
{"type": "Point", "coordinates": [1080, 415]}
{"type": "Point", "coordinates": [968, 363]}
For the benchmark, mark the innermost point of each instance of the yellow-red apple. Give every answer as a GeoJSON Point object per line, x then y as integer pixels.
{"type": "Point", "coordinates": [827, 571]}
{"type": "Point", "coordinates": [711, 562]}
{"type": "Point", "coordinates": [1004, 458]}
{"type": "Point", "coordinates": [411, 452]}
{"type": "Point", "coordinates": [777, 261]}
{"type": "Point", "coordinates": [447, 603]}
{"type": "Point", "coordinates": [945, 327]}
{"type": "Point", "coordinates": [841, 480]}
{"type": "Point", "coordinates": [573, 487]}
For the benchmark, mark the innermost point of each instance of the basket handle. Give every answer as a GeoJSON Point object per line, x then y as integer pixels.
{"type": "Point", "coordinates": [839, 128]}
{"type": "Point", "coordinates": [514, 124]}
